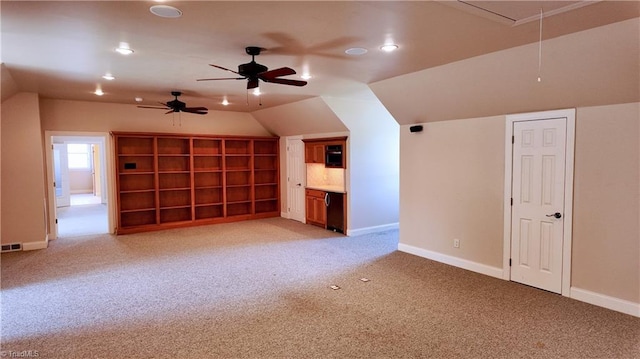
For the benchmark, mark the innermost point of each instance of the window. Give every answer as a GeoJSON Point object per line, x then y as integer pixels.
{"type": "Point", "coordinates": [79, 156]}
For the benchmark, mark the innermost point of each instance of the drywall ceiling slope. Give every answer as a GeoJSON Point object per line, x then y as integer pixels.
{"type": "Point", "coordinates": [311, 116]}
{"type": "Point", "coordinates": [8, 86]}
{"type": "Point", "coordinates": [582, 69]}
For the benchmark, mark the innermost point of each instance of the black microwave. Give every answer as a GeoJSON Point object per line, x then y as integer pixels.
{"type": "Point", "coordinates": [333, 156]}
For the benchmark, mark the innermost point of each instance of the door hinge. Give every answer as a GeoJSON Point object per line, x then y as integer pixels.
{"type": "Point", "coordinates": [513, 139]}
{"type": "Point", "coordinates": [512, 201]}
{"type": "Point", "coordinates": [54, 184]}
{"type": "Point", "coordinates": [56, 221]}
{"type": "Point", "coordinates": [509, 262]}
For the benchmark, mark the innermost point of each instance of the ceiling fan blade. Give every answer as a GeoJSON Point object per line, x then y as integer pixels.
{"type": "Point", "coordinates": [154, 107]}
{"type": "Point", "coordinates": [224, 68]}
{"type": "Point", "coordinates": [196, 110]}
{"type": "Point", "coordinates": [252, 83]}
{"type": "Point", "coordinates": [286, 82]}
{"type": "Point", "coordinates": [170, 111]}
{"type": "Point", "coordinates": [223, 78]}
{"type": "Point", "coordinates": [201, 110]}
{"type": "Point", "coordinates": [283, 71]}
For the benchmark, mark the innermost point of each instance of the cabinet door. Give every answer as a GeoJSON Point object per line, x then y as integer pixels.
{"type": "Point", "coordinates": [314, 153]}
{"type": "Point", "coordinates": [316, 211]}
{"type": "Point", "coordinates": [311, 209]}
{"type": "Point", "coordinates": [318, 153]}
{"type": "Point", "coordinates": [321, 211]}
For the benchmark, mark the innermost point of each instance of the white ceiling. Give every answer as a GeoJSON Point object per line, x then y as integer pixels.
{"type": "Point", "coordinates": [61, 49]}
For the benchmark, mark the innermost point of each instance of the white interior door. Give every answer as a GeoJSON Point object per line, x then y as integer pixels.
{"type": "Point", "coordinates": [61, 175]}
{"type": "Point", "coordinates": [538, 185]}
{"type": "Point", "coordinates": [296, 178]}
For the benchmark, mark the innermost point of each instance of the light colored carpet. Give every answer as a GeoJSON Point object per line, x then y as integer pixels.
{"type": "Point", "coordinates": [261, 289]}
{"type": "Point", "coordinates": [82, 220]}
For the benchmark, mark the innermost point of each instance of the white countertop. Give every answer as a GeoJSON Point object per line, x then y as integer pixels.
{"type": "Point", "coordinates": [328, 188]}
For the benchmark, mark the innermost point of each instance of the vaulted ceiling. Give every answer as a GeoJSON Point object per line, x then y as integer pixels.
{"type": "Point", "coordinates": [61, 50]}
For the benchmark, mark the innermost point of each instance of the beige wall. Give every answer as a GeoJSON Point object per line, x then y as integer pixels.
{"type": "Point", "coordinates": [62, 115]}
{"type": "Point", "coordinates": [80, 181]}
{"type": "Point", "coordinates": [452, 183]}
{"type": "Point", "coordinates": [372, 163]}
{"type": "Point", "coordinates": [451, 186]}
{"type": "Point", "coordinates": [311, 116]}
{"type": "Point", "coordinates": [606, 234]}
{"type": "Point", "coordinates": [23, 194]}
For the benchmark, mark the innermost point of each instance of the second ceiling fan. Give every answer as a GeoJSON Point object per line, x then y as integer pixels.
{"type": "Point", "coordinates": [253, 72]}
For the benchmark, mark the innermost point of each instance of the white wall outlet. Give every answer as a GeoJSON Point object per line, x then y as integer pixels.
{"type": "Point", "coordinates": [456, 243]}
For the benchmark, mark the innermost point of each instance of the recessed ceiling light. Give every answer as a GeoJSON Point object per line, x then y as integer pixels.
{"type": "Point", "coordinates": [305, 76]}
{"type": "Point", "coordinates": [225, 102]}
{"type": "Point", "coordinates": [165, 11]}
{"type": "Point", "coordinates": [108, 76]}
{"type": "Point", "coordinates": [356, 51]}
{"type": "Point", "coordinates": [388, 47]}
{"type": "Point", "coordinates": [98, 92]}
{"type": "Point", "coordinates": [124, 49]}
{"type": "Point", "coordinates": [138, 99]}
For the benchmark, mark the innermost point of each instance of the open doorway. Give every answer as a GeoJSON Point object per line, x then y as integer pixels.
{"type": "Point", "coordinates": [80, 203]}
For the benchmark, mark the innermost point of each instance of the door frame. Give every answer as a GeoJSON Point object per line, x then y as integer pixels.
{"type": "Point", "coordinates": [108, 172]}
{"type": "Point", "coordinates": [570, 115]}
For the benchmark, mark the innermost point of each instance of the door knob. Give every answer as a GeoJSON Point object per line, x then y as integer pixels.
{"type": "Point", "coordinates": [299, 184]}
{"type": "Point", "coordinates": [557, 215]}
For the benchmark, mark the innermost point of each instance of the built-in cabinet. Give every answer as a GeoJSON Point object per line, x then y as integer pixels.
{"type": "Point", "coordinates": [314, 152]}
{"type": "Point", "coordinates": [314, 149]}
{"type": "Point", "coordinates": [316, 208]}
{"type": "Point", "coordinates": [168, 181]}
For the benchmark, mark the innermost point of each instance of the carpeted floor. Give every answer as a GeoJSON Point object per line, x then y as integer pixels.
{"type": "Point", "coordinates": [261, 289]}
{"type": "Point", "coordinates": [82, 220]}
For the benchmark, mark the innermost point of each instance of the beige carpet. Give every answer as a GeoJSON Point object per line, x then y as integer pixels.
{"type": "Point", "coordinates": [82, 220]}
{"type": "Point", "coordinates": [261, 289]}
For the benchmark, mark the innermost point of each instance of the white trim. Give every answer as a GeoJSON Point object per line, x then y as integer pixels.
{"type": "Point", "coordinates": [508, 169]}
{"type": "Point", "coordinates": [104, 139]}
{"type": "Point", "coordinates": [372, 229]}
{"type": "Point", "coordinates": [601, 300]}
{"type": "Point", "coordinates": [453, 261]}
{"type": "Point", "coordinates": [31, 246]}
{"type": "Point", "coordinates": [570, 115]}
{"type": "Point", "coordinates": [284, 214]}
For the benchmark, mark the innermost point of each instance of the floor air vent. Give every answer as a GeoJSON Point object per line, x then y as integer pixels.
{"type": "Point", "coordinates": [11, 247]}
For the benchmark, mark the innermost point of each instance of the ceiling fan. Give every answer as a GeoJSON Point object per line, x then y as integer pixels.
{"type": "Point", "coordinates": [253, 72]}
{"type": "Point", "coordinates": [178, 106]}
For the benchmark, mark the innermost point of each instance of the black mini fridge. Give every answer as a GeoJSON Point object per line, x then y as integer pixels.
{"type": "Point", "coordinates": [335, 211]}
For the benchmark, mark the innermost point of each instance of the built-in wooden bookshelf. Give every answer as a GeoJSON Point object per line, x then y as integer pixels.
{"type": "Point", "coordinates": [166, 181]}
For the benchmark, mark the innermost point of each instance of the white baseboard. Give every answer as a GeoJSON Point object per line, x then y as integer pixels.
{"type": "Point", "coordinates": [374, 229]}
{"type": "Point", "coordinates": [284, 215]}
{"type": "Point", "coordinates": [32, 246]}
{"type": "Point", "coordinates": [451, 260]}
{"type": "Point", "coordinates": [601, 300]}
